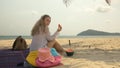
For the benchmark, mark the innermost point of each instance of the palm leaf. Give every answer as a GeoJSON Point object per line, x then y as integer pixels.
{"type": "Point", "coordinates": [67, 2]}
{"type": "Point", "coordinates": [108, 2]}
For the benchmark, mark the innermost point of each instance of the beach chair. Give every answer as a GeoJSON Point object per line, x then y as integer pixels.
{"type": "Point", "coordinates": [10, 59]}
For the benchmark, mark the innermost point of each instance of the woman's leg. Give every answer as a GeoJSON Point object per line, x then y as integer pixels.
{"type": "Point", "coordinates": [51, 44]}
{"type": "Point", "coordinates": [59, 48]}
{"type": "Point", "coordinates": [56, 45]}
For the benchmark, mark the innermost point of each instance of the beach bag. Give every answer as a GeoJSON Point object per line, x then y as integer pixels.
{"type": "Point", "coordinates": [19, 44]}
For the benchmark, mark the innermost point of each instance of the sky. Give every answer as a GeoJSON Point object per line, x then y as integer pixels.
{"type": "Point", "coordinates": [17, 17]}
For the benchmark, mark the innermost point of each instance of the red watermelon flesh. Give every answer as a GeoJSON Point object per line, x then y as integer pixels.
{"type": "Point", "coordinates": [69, 50]}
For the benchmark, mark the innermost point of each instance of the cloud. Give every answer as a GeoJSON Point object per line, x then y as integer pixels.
{"type": "Point", "coordinates": [103, 9]}
{"type": "Point", "coordinates": [28, 12]}
{"type": "Point", "coordinates": [108, 21]}
{"type": "Point", "coordinates": [115, 1]}
{"type": "Point", "coordinates": [34, 12]}
{"type": "Point", "coordinates": [98, 8]}
{"type": "Point", "coordinates": [89, 10]}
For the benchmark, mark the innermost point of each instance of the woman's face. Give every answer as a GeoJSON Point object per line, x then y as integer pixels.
{"type": "Point", "coordinates": [47, 21]}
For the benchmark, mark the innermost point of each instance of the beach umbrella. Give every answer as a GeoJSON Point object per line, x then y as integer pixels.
{"type": "Point", "coordinates": [67, 2]}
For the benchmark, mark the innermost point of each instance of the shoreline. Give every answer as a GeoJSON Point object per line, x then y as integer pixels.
{"type": "Point", "coordinates": [59, 37]}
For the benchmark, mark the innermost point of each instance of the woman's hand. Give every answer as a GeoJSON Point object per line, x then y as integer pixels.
{"type": "Point", "coordinates": [59, 28]}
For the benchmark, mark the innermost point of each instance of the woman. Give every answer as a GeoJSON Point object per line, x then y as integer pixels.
{"type": "Point", "coordinates": [41, 36]}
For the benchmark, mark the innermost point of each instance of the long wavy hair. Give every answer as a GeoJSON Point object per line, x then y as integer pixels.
{"type": "Point", "coordinates": [40, 26]}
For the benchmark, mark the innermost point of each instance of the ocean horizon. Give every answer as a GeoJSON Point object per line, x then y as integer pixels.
{"type": "Point", "coordinates": [30, 37]}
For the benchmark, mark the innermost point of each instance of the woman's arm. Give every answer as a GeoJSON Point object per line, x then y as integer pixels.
{"type": "Point", "coordinates": [49, 37]}
{"type": "Point", "coordinates": [52, 37]}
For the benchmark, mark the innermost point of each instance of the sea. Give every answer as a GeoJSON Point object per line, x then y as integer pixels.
{"type": "Point", "coordinates": [30, 37]}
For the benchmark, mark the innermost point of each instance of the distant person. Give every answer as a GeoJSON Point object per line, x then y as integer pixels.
{"type": "Point", "coordinates": [41, 36]}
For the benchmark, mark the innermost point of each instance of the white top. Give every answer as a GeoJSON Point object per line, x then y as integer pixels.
{"type": "Point", "coordinates": [40, 40]}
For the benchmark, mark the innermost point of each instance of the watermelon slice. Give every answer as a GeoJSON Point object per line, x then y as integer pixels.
{"type": "Point", "coordinates": [69, 50]}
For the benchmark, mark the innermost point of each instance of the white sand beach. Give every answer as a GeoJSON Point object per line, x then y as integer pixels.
{"type": "Point", "coordinates": [89, 52]}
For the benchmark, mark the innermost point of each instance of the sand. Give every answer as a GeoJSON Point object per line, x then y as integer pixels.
{"type": "Point", "coordinates": [89, 52]}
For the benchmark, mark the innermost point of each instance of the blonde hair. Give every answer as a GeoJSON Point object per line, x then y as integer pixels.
{"type": "Point", "coordinates": [39, 26]}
